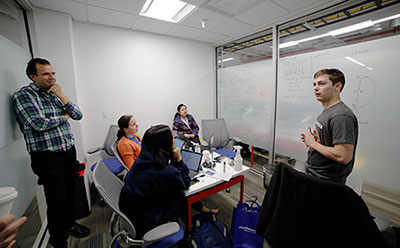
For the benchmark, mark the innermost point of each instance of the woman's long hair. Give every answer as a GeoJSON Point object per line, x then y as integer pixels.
{"type": "Point", "coordinates": [123, 122]}
{"type": "Point", "coordinates": [158, 139]}
{"type": "Point", "coordinates": [178, 109]}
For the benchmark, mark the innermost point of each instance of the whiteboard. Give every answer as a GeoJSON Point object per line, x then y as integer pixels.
{"type": "Point", "coordinates": [245, 97]}
{"type": "Point", "coordinates": [371, 91]}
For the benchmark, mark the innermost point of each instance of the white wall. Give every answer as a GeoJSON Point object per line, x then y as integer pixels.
{"type": "Point", "coordinates": [127, 72]}
{"type": "Point", "coordinates": [53, 37]}
{"type": "Point", "coordinates": [109, 72]}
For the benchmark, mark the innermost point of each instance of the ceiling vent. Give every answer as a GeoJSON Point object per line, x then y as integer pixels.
{"type": "Point", "coordinates": [232, 7]}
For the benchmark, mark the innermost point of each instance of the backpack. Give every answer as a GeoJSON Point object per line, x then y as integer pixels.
{"type": "Point", "coordinates": [208, 232]}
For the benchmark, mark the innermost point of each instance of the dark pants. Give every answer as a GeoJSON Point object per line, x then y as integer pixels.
{"type": "Point", "coordinates": [57, 173]}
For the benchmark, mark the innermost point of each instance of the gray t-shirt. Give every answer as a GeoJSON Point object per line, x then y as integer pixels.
{"type": "Point", "coordinates": [335, 125]}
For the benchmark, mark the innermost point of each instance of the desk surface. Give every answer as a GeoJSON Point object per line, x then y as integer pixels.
{"type": "Point", "coordinates": [206, 182]}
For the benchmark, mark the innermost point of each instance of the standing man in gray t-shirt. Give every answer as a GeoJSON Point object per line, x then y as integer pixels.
{"type": "Point", "coordinates": [332, 144]}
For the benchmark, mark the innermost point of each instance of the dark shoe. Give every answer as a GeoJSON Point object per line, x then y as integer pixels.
{"type": "Point", "coordinates": [79, 231]}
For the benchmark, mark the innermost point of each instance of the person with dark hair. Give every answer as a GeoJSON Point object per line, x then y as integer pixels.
{"type": "Point", "coordinates": [43, 111]}
{"type": "Point", "coordinates": [185, 126]}
{"type": "Point", "coordinates": [332, 144]}
{"type": "Point", "coordinates": [129, 142]}
{"type": "Point", "coordinates": [153, 190]}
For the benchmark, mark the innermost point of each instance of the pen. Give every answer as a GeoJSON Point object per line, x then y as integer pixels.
{"type": "Point", "coordinates": [224, 166]}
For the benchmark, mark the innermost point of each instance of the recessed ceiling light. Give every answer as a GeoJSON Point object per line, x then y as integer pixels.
{"type": "Point", "coordinates": [167, 10]}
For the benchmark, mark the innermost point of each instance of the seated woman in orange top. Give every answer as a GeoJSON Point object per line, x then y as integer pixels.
{"type": "Point", "coordinates": [129, 142]}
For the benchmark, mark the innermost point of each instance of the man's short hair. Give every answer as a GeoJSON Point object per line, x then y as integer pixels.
{"type": "Point", "coordinates": [31, 68]}
{"type": "Point", "coordinates": [335, 76]}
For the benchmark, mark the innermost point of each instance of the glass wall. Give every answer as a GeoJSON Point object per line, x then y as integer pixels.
{"type": "Point", "coordinates": [361, 41]}
{"type": "Point", "coordinates": [358, 37]}
{"type": "Point", "coordinates": [245, 88]}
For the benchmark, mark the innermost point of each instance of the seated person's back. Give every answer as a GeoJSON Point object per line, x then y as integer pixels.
{"type": "Point", "coordinates": [153, 190]}
{"type": "Point", "coordinates": [129, 142]}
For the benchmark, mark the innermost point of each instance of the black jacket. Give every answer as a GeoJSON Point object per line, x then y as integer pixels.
{"type": "Point", "coordinates": [300, 210]}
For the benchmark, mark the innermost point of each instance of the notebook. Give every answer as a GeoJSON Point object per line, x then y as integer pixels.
{"type": "Point", "coordinates": [193, 161]}
{"type": "Point", "coordinates": [179, 143]}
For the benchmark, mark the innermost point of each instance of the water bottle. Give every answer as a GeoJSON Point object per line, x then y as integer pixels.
{"type": "Point", "coordinates": [238, 159]}
{"type": "Point", "coordinates": [197, 148]}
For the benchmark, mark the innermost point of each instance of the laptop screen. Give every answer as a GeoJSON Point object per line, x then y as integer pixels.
{"type": "Point", "coordinates": [192, 159]}
{"type": "Point", "coordinates": [179, 143]}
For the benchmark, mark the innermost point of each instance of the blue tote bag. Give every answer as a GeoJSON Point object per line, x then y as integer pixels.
{"type": "Point", "coordinates": [244, 223]}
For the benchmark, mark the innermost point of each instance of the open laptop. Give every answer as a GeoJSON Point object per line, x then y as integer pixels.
{"type": "Point", "coordinates": [179, 143]}
{"type": "Point", "coordinates": [193, 161]}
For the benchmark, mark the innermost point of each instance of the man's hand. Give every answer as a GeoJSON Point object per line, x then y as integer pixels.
{"type": "Point", "coordinates": [67, 116]}
{"type": "Point", "coordinates": [308, 138]}
{"type": "Point", "coordinates": [8, 231]}
{"type": "Point", "coordinates": [57, 90]}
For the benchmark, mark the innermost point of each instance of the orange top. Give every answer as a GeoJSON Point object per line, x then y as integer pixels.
{"type": "Point", "coordinates": [129, 150]}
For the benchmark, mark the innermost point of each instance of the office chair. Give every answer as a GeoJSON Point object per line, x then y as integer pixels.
{"type": "Point", "coordinates": [301, 210]}
{"type": "Point", "coordinates": [107, 153]}
{"type": "Point", "coordinates": [217, 129]}
{"type": "Point", "coordinates": [122, 230]}
{"type": "Point", "coordinates": [114, 148]}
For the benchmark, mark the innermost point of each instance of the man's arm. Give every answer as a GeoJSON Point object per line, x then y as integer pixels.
{"type": "Point", "coordinates": [342, 153]}
{"type": "Point", "coordinates": [28, 111]}
{"type": "Point", "coordinates": [72, 110]}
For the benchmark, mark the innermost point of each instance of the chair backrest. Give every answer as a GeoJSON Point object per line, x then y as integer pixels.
{"type": "Point", "coordinates": [109, 187]}
{"type": "Point", "coordinates": [114, 147]}
{"type": "Point", "coordinates": [296, 203]}
{"type": "Point", "coordinates": [111, 136]}
{"type": "Point", "coordinates": [219, 129]}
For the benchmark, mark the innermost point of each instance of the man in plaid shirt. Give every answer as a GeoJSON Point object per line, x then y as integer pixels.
{"type": "Point", "coordinates": [43, 112]}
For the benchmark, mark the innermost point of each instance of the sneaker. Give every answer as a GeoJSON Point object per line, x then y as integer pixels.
{"type": "Point", "coordinates": [79, 231]}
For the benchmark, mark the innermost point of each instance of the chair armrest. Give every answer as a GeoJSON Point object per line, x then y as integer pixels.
{"type": "Point", "coordinates": [94, 150]}
{"type": "Point", "coordinates": [161, 232]}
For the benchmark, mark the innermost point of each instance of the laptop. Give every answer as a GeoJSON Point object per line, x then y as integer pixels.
{"type": "Point", "coordinates": [193, 161]}
{"type": "Point", "coordinates": [179, 143]}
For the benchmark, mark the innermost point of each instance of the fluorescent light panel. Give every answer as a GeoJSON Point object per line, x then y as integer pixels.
{"type": "Point", "coordinates": [340, 31]}
{"type": "Point", "coordinates": [354, 61]}
{"type": "Point", "coordinates": [167, 10]}
{"type": "Point", "coordinates": [225, 60]}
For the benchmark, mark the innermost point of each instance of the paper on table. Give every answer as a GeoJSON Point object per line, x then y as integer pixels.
{"type": "Point", "coordinates": [219, 172]}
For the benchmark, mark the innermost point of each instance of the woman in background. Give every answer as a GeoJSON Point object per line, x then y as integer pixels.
{"type": "Point", "coordinates": [185, 126]}
{"type": "Point", "coordinates": [153, 190]}
{"type": "Point", "coordinates": [129, 142]}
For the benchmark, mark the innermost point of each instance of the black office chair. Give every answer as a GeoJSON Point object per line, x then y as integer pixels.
{"type": "Point", "coordinates": [300, 210]}
{"type": "Point", "coordinates": [121, 228]}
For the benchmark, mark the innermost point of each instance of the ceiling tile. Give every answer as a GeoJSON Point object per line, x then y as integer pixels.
{"type": "Point", "coordinates": [213, 19]}
{"type": "Point", "coordinates": [185, 32]}
{"type": "Point", "coordinates": [263, 13]}
{"type": "Point", "coordinates": [232, 27]}
{"type": "Point", "coordinates": [210, 37]}
{"type": "Point", "coordinates": [152, 25]}
{"type": "Point", "coordinates": [195, 2]}
{"type": "Point", "coordinates": [76, 10]}
{"type": "Point", "coordinates": [109, 17]}
{"type": "Point", "coordinates": [129, 6]}
{"type": "Point", "coordinates": [296, 5]}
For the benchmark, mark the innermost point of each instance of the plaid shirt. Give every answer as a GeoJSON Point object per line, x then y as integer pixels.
{"type": "Point", "coordinates": [40, 116]}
